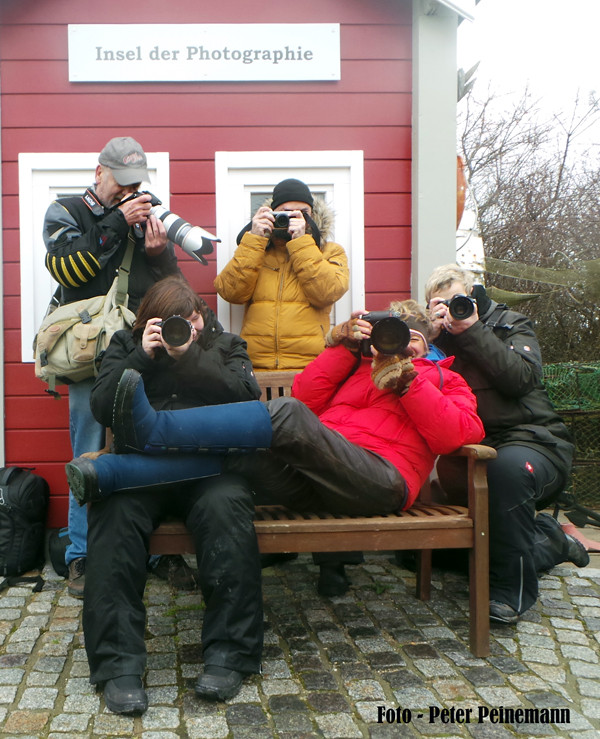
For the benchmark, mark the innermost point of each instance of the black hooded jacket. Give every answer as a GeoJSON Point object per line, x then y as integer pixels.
{"type": "Point", "coordinates": [215, 369]}
{"type": "Point", "coordinates": [500, 358]}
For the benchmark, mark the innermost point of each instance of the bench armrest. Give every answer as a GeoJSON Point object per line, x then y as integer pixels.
{"type": "Point", "coordinates": [474, 451]}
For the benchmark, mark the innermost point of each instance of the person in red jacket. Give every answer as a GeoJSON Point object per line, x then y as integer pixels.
{"type": "Point", "coordinates": [359, 436]}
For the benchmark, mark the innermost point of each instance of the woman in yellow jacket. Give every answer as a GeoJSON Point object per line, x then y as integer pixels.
{"type": "Point", "coordinates": [288, 275]}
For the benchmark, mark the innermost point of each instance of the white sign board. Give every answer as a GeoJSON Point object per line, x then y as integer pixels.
{"type": "Point", "coordinates": [204, 52]}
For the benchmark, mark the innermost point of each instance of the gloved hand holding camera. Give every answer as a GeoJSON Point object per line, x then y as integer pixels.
{"type": "Point", "coordinates": [350, 333]}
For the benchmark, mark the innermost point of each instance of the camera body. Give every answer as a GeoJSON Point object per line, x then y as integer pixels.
{"type": "Point", "coordinates": [389, 335]}
{"type": "Point", "coordinates": [282, 219]}
{"type": "Point", "coordinates": [176, 330]}
{"type": "Point", "coordinates": [460, 306]}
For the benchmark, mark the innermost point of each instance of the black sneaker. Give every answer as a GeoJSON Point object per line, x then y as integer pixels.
{"type": "Point", "coordinates": [76, 577]}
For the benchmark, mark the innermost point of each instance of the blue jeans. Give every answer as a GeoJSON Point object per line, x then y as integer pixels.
{"type": "Point", "coordinates": [87, 435]}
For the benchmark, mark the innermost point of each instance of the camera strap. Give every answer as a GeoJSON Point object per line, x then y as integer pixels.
{"type": "Point", "coordinates": [495, 319]}
{"type": "Point", "coordinates": [123, 274]}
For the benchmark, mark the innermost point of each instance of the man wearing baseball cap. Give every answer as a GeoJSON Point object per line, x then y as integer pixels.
{"type": "Point", "coordinates": [86, 238]}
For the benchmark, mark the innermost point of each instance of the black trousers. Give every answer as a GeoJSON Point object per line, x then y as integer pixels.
{"type": "Point", "coordinates": [218, 512]}
{"type": "Point", "coordinates": [520, 480]}
{"type": "Point", "coordinates": [311, 467]}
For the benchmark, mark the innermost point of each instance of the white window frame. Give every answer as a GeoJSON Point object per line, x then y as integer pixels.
{"type": "Point", "coordinates": [339, 174]}
{"type": "Point", "coordinates": [41, 177]}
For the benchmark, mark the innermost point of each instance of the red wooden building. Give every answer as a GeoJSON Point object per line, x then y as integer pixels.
{"type": "Point", "coordinates": [361, 105]}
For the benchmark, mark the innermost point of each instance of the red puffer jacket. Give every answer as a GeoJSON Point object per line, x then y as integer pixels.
{"type": "Point", "coordinates": [437, 415]}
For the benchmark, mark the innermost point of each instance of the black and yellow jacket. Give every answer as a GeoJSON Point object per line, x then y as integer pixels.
{"type": "Point", "coordinates": [85, 244]}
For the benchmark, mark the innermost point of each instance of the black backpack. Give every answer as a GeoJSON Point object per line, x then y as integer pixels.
{"type": "Point", "coordinates": [23, 508]}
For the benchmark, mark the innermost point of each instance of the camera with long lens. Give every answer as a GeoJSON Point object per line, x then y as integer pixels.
{"type": "Point", "coordinates": [460, 306]}
{"type": "Point", "coordinates": [176, 330]}
{"type": "Point", "coordinates": [389, 335]}
{"type": "Point", "coordinates": [194, 240]}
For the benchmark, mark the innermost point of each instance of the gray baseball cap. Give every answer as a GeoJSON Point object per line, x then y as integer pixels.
{"type": "Point", "coordinates": [126, 159]}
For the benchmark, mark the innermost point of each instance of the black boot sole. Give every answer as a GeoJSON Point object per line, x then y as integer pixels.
{"type": "Point", "coordinates": [123, 428]}
{"type": "Point", "coordinates": [83, 480]}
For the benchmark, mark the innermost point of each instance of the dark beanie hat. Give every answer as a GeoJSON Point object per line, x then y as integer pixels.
{"type": "Point", "coordinates": [289, 191]}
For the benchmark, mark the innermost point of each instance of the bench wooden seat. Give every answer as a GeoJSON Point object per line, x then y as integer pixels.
{"type": "Point", "coordinates": [424, 527]}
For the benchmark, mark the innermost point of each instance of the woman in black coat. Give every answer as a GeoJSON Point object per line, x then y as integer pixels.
{"type": "Point", "coordinates": [211, 367]}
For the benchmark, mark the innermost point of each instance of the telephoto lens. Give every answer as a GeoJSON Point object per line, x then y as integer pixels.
{"type": "Point", "coordinates": [176, 330]}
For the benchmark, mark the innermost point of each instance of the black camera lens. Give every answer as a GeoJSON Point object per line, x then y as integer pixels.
{"type": "Point", "coordinates": [282, 219]}
{"type": "Point", "coordinates": [176, 330]}
{"type": "Point", "coordinates": [390, 335]}
{"type": "Point", "coordinates": [461, 307]}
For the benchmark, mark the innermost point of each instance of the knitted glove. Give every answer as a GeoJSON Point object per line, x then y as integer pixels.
{"type": "Point", "coordinates": [346, 333]}
{"type": "Point", "coordinates": [392, 372]}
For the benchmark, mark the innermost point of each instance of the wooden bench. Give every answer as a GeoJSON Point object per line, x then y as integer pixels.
{"type": "Point", "coordinates": [424, 527]}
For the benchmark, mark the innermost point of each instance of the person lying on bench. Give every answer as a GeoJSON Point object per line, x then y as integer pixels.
{"type": "Point", "coordinates": [359, 436]}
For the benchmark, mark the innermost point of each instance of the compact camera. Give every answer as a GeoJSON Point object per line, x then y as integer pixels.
{"type": "Point", "coordinates": [282, 219]}
{"type": "Point", "coordinates": [176, 330]}
{"type": "Point", "coordinates": [389, 335]}
{"type": "Point", "coordinates": [460, 306]}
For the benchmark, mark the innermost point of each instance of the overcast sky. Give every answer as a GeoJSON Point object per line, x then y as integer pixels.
{"type": "Point", "coordinates": [552, 43]}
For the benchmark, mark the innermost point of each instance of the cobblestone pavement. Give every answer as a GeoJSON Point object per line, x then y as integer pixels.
{"type": "Point", "coordinates": [331, 666]}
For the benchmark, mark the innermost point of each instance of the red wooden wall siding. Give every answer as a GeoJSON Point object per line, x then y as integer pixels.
{"type": "Point", "coordinates": [368, 109]}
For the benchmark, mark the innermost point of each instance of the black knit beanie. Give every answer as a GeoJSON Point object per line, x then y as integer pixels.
{"type": "Point", "coordinates": [289, 191]}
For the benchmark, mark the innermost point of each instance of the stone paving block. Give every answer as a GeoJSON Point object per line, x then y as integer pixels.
{"type": "Point", "coordinates": [338, 725]}
{"type": "Point", "coordinates": [34, 698]}
{"type": "Point", "coordinates": [70, 722]}
{"type": "Point", "coordinates": [42, 679]}
{"type": "Point", "coordinates": [161, 717]}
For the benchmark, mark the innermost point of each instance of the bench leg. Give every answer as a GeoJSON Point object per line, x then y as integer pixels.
{"type": "Point", "coordinates": [424, 574]}
{"type": "Point", "coordinates": [479, 563]}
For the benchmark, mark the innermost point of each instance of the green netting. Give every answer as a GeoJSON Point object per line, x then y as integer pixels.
{"type": "Point", "coordinates": [573, 385]}
{"type": "Point", "coordinates": [585, 484]}
{"type": "Point", "coordinates": [574, 389]}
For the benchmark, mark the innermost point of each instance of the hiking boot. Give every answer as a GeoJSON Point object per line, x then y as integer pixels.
{"type": "Point", "coordinates": [333, 581]}
{"type": "Point", "coordinates": [218, 683]}
{"type": "Point", "coordinates": [175, 570]}
{"type": "Point", "coordinates": [125, 695]}
{"type": "Point", "coordinates": [76, 577]}
{"type": "Point", "coordinates": [502, 613]}
{"type": "Point", "coordinates": [573, 550]}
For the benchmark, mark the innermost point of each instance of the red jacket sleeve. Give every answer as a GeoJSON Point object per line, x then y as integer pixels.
{"type": "Point", "coordinates": [318, 382]}
{"type": "Point", "coordinates": [445, 417]}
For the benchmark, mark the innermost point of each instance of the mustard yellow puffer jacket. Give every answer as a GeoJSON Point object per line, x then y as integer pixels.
{"type": "Point", "coordinates": [288, 291]}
